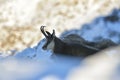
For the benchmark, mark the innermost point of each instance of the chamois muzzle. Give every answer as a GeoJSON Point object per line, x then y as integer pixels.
{"type": "Point", "coordinates": [44, 47]}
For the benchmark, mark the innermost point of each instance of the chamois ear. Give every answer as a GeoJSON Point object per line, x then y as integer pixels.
{"type": "Point", "coordinates": [53, 34]}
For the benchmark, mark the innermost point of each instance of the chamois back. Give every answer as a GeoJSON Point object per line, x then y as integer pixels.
{"type": "Point", "coordinates": [73, 45]}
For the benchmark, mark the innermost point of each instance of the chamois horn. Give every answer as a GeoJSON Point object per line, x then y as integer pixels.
{"type": "Point", "coordinates": [42, 30]}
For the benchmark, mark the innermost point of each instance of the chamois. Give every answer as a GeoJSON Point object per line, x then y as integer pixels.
{"type": "Point", "coordinates": [58, 46]}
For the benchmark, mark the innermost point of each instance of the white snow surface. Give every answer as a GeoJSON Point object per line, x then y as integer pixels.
{"type": "Point", "coordinates": [36, 64]}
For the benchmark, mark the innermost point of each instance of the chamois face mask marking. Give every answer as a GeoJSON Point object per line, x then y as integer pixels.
{"type": "Point", "coordinates": [51, 45]}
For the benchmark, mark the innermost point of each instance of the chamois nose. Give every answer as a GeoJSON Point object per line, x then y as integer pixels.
{"type": "Point", "coordinates": [44, 48]}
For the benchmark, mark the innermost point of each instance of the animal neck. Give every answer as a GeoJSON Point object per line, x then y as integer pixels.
{"type": "Point", "coordinates": [58, 45]}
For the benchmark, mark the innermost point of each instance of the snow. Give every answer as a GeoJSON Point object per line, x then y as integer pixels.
{"type": "Point", "coordinates": [33, 63]}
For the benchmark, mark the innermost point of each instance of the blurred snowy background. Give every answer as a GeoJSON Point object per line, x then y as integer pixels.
{"type": "Point", "coordinates": [20, 20]}
{"type": "Point", "coordinates": [21, 56]}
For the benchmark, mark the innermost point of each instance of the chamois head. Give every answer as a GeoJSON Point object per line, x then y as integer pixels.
{"type": "Point", "coordinates": [49, 45]}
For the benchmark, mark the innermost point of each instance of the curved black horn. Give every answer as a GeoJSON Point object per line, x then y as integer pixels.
{"type": "Point", "coordinates": [42, 30]}
{"type": "Point", "coordinates": [48, 33]}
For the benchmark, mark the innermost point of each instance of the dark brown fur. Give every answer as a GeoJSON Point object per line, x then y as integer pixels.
{"type": "Point", "coordinates": [72, 49]}
{"type": "Point", "coordinates": [72, 45]}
